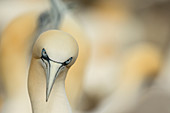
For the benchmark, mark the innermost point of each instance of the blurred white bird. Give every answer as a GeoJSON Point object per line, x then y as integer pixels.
{"type": "Point", "coordinates": [126, 52]}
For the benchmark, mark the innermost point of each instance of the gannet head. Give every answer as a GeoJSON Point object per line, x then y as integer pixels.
{"type": "Point", "coordinates": [56, 51]}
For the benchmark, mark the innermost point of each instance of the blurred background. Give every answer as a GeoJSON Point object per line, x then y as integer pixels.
{"type": "Point", "coordinates": [124, 60]}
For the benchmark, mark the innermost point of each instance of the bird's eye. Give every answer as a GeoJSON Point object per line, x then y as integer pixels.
{"type": "Point", "coordinates": [68, 61]}
{"type": "Point", "coordinates": [44, 54]}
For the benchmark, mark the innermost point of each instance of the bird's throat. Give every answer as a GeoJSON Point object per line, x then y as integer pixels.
{"type": "Point", "coordinates": [57, 101]}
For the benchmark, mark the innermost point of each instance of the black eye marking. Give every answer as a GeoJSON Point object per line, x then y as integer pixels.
{"type": "Point", "coordinates": [44, 55]}
{"type": "Point", "coordinates": [67, 61]}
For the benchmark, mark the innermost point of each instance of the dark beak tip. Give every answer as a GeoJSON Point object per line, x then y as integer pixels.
{"type": "Point", "coordinates": [46, 99]}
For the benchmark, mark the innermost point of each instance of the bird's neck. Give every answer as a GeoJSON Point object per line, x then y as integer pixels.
{"type": "Point", "coordinates": [57, 101]}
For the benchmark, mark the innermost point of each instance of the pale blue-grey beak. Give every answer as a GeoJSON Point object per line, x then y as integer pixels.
{"type": "Point", "coordinates": [52, 71]}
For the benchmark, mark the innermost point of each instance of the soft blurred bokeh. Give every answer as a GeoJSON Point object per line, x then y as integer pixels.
{"type": "Point", "coordinates": [123, 64]}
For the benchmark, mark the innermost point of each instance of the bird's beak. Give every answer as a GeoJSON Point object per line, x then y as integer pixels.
{"type": "Point", "coordinates": [52, 72]}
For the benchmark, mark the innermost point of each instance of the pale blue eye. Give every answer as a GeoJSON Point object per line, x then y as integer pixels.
{"type": "Point", "coordinates": [68, 61]}
{"type": "Point", "coordinates": [44, 54]}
